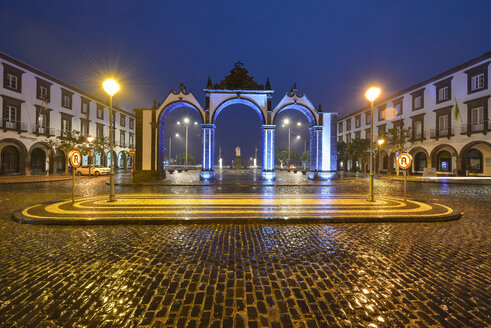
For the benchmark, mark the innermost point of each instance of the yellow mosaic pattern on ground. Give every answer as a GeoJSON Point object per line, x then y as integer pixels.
{"type": "Point", "coordinates": [240, 206]}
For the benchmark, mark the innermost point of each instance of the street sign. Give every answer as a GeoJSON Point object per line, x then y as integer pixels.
{"type": "Point", "coordinates": [75, 158]}
{"type": "Point", "coordinates": [132, 152]}
{"type": "Point", "coordinates": [404, 160]}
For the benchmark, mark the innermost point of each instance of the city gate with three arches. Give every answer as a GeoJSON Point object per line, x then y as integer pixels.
{"type": "Point", "coordinates": [236, 88]}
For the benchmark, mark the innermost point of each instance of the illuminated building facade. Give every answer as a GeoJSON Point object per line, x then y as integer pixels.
{"type": "Point", "coordinates": [449, 119]}
{"type": "Point", "coordinates": [37, 106]}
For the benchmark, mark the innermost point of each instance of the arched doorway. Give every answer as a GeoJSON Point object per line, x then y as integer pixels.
{"type": "Point", "coordinates": [59, 162]}
{"type": "Point", "coordinates": [122, 160]}
{"type": "Point", "coordinates": [10, 160]}
{"type": "Point", "coordinates": [15, 161]}
{"type": "Point", "coordinates": [38, 161]}
{"type": "Point", "coordinates": [444, 161]}
{"type": "Point", "coordinates": [474, 157]}
{"type": "Point", "coordinates": [420, 162]}
{"type": "Point", "coordinates": [474, 161]}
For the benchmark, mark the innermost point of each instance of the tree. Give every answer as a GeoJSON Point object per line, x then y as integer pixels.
{"type": "Point", "coordinates": [66, 142]}
{"type": "Point", "coordinates": [305, 158]}
{"type": "Point", "coordinates": [281, 155]}
{"type": "Point", "coordinates": [342, 152]}
{"type": "Point", "coordinates": [399, 141]}
{"type": "Point", "coordinates": [359, 149]}
{"type": "Point", "coordinates": [181, 159]}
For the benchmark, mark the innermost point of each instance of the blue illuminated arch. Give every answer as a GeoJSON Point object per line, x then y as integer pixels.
{"type": "Point", "coordinates": [242, 101]}
{"type": "Point", "coordinates": [161, 130]}
{"type": "Point", "coordinates": [178, 104]}
{"type": "Point", "coordinates": [308, 112]}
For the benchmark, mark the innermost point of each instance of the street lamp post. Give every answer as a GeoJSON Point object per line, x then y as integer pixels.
{"type": "Point", "coordinates": [170, 149]}
{"type": "Point", "coordinates": [111, 87]}
{"type": "Point", "coordinates": [91, 159]}
{"type": "Point", "coordinates": [186, 122]}
{"type": "Point", "coordinates": [371, 94]}
{"type": "Point", "coordinates": [287, 122]}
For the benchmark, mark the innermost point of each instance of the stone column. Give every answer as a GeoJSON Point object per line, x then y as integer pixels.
{"type": "Point", "coordinates": [268, 172]}
{"type": "Point", "coordinates": [315, 151]}
{"type": "Point", "coordinates": [208, 159]}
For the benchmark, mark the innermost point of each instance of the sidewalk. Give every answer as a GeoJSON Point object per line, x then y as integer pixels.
{"type": "Point", "coordinates": [33, 178]}
{"type": "Point", "coordinates": [441, 179]}
{"type": "Point", "coordinates": [19, 179]}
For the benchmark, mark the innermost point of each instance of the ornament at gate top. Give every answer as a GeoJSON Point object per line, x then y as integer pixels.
{"type": "Point", "coordinates": [238, 79]}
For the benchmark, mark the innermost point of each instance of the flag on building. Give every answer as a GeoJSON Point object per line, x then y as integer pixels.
{"type": "Point", "coordinates": [457, 111]}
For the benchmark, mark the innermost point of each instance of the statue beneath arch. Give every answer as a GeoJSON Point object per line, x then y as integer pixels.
{"type": "Point", "coordinates": [238, 160]}
{"type": "Point", "coordinates": [236, 88]}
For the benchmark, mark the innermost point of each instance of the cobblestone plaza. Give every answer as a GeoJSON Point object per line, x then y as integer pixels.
{"type": "Point", "coordinates": [247, 275]}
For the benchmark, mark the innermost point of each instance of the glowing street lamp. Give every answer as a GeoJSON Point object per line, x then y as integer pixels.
{"type": "Point", "coordinates": [380, 142]}
{"type": "Point", "coordinates": [371, 94]}
{"type": "Point", "coordinates": [111, 87]}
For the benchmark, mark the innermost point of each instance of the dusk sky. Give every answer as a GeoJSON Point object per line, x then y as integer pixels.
{"type": "Point", "coordinates": [332, 50]}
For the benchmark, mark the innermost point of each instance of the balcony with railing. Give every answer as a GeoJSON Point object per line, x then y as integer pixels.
{"type": "Point", "coordinates": [13, 125]}
{"type": "Point", "coordinates": [43, 130]}
{"type": "Point", "coordinates": [475, 127]}
{"type": "Point", "coordinates": [440, 133]}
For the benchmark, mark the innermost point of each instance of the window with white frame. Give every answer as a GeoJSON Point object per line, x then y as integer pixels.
{"type": "Point", "coordinates": [99, 131]}
{"type": "Point", "coordinates": [11, 81]}
{"type": "Point", "coordinates": [43, 92]}
{"type": "Point", "coordinates": [418, 102]}
{"type": "Point", "coordinates": [477, 118]}
{"type": "Point", "coordinates": [368, 117]}
{"type": "Point", "coordinates": [131, 140]}
{"type": "Point", "coordinates": [42, 123]}
{"type": "Point", "coordinates": [477, 82]}
{"type": "Point", "coordinates": [443, 94]}
{"type": "Point", "coordinates": [66, 101]}
{"type": "Point", "coordinates": [122, 139]}
{"type": "Point", "coordinates": [66, 124]}
{"type": "Point", "coordinates": [132, 123]}
{"type": "Point", "coordinates": [418, 130]}
{"type": "Point", "coordinates": [443, 124]}
{"type": "Point", "coordinates": [85, 107]}
{"type": "Point", "coordinates": [11, 117]}
{"type": "Point", "coordinates": [100, 112]}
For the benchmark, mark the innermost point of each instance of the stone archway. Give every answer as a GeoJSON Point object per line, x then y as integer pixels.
{"type": "Point", "coordinates": [420, 159]}
{"type": "Point", "coordinates": [15, 162]}
{"type": "Point", "coordinates": [473, 158]}
{"type": "Point", "coordinates": [236, 88]}
{"type": "Point", "coordinates": [444, 158]}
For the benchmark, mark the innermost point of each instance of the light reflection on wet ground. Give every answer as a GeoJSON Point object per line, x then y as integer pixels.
{"type": "Point", "coordinates": [385, 275]}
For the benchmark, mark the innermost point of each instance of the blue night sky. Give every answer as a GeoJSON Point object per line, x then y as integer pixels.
{"type": "Point", "coordinates": [331, 49]}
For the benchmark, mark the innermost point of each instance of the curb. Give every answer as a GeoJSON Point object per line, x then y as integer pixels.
{"type": "Point", "coordinates": [34, 181]}
{"type": "Point", "coordinates": [461, 182]}
{"type": "Point", "coordinates": [19, 217]}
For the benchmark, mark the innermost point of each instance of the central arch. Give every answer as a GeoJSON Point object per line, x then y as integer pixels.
{"type": "Point", "coordinates": [242, 101]}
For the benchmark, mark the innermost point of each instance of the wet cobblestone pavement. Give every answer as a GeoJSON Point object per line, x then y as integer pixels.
{"type": "Point", "coordinates": [240, 275]}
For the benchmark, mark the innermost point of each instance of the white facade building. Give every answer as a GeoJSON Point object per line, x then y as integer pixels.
{"type": "Point", "coordinates": [448, 143]}
{"type": "Point", "coordinates": [37, 106]}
